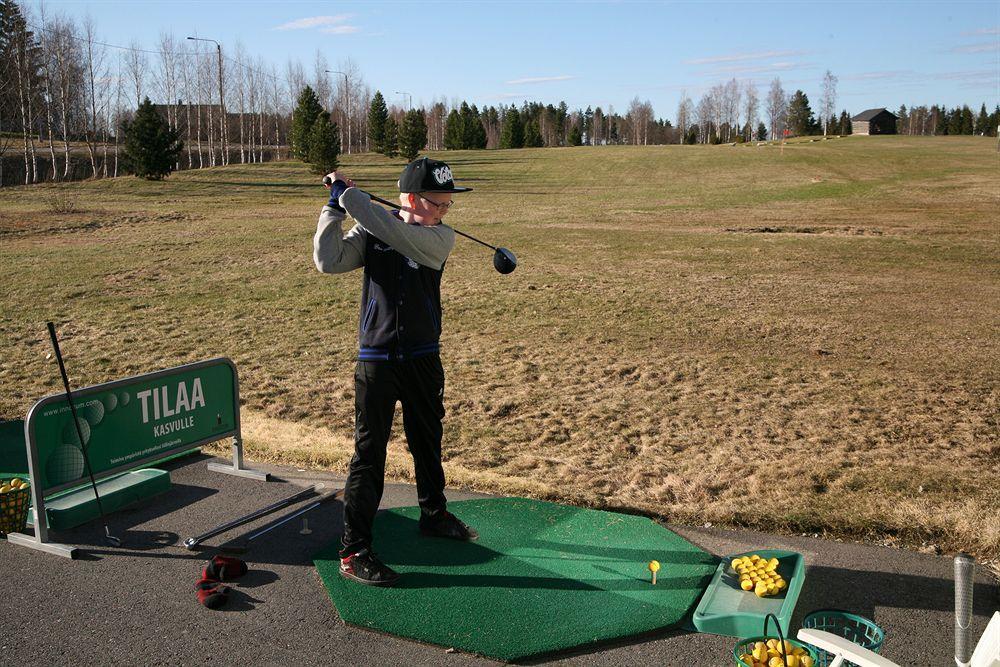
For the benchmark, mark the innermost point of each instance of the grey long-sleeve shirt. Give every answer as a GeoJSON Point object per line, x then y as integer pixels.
{"type": "Point", "coordinates": [335, 252]}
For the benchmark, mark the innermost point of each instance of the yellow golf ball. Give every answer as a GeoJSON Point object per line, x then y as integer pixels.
{"type": "Point", "coordinates": [654, 566]}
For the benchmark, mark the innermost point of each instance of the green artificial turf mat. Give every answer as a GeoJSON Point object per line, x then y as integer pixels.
{"type": "Point", "coordinates": [541, 577]}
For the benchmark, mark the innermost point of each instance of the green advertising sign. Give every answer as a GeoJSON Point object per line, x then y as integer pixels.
{"type": "Point", "coordinates": [130, 421]}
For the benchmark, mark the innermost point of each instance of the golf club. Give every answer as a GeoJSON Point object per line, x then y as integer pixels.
{"type": "Point", "coordinates": [110, 539]}
{"type": "Point", "coordinates": [243, 544]}
{"type": "Point", "coordinates": [192, 542]}
{"type": "Point", "coordinates": [504, 261]}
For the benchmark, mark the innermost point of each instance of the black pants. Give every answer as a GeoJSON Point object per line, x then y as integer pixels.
{"type": "Point", "coordinates": [419, 385]}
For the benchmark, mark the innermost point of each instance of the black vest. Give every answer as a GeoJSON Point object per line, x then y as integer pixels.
{"type": "Point", "coordinates": [400, 305]}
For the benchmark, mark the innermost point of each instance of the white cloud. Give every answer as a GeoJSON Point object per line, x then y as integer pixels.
{"type": "Point", "coordinates": [876, 76]}
{"type": "Point", "coordinates": [540, 79]}
{"type": "Point", "coordinates": [986, 47]}
{"type": "Point", "coordinates": [313, 22]}
{"type": "Point", "coordinates": [754, 69]}
{"type": "Point", "coordinates": [341, 30]}
{"type": "Point", "coordinates": [984, 31]}
{"type": "Point", "coordinates": [739, 57]}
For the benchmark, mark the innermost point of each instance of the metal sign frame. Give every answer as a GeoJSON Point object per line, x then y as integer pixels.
{"type": "Point", "coordinates": [40, 540]}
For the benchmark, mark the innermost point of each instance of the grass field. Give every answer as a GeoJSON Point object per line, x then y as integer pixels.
{"type": "Point", "coordinates": [797, 340]}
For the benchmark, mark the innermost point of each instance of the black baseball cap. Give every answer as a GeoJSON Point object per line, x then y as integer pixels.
{"type": "Point", "coordinates": [427, 175]}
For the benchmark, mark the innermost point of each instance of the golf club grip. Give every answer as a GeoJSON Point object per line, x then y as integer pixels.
{"type": "Point", "coordinates": [327, 181]}
{"type": "Point", "coordinates": [192, 542]}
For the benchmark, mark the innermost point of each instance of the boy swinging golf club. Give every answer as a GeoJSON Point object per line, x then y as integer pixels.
{"type": "Point", "coordinates": [403, 255]}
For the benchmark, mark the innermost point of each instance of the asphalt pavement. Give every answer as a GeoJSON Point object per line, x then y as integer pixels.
{"type": "Point", "coordinates": [137, 605]}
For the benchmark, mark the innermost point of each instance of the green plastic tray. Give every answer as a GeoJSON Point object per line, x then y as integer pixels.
{"type": "Point", "coordinates": [726, 609]}
{"type": "Point", "coordinates": [78, 507]}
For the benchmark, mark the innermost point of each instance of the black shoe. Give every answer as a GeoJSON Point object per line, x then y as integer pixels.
{"type": "Point", "coordinates": [365, 568]}
{"type": "Point", "coordinates": [446, 525]}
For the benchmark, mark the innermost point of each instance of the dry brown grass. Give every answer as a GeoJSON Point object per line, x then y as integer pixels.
{"type": "Point", "coordinates": [801, 341]}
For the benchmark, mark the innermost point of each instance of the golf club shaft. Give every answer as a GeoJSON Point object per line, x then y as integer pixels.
{"type": "Point", "coordinates": [244, 543]}
{"type": "Point", "coordinates": [192, 542]}
{"type": "Point", "coordinates": [79, 432]}
{"type": "Point", "coordinates": [398, 207]}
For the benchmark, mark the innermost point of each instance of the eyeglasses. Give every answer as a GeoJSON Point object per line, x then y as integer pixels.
{"type": "Point", "coordinates": [440, 207]}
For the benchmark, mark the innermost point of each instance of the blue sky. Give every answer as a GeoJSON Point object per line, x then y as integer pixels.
{"type": "Point", "coordinates": [601, 53]}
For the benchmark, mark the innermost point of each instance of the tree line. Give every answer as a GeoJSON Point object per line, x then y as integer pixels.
{"type": "Point", "coordinates": [66, 97]}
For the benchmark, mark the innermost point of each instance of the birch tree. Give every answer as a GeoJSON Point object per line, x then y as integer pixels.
{"type": "Point", "coordinates": [685, 114]}
{"type": "Point", "coordinates": [94, 65]}
{"type": "Point", "coordinates": [136, 68]}
{"type": "Point", "coordinates": [777, 108]}
{"type": "Point", "coordinates": [828, 100]}
{"type": "Point", "coordinates": [750, 108]}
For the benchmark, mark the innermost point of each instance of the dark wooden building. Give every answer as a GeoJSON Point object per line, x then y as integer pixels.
{"type": "Point", "coordinates": [874, 121]}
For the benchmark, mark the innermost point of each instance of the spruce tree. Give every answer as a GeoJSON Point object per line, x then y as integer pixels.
{"type": "Point", "coordinates": [324, 145]}
{"type": "Point", "coordinates": [941, 120]}
{"type": "Point", "coordinates": [378, 116]}
{"type": "Point", "coordinates": [845, 122]}
{"type": "Point", "coordinates": [469, 121]}
{"type": "Point", "coordinates": [761, 131]}
{"type": "Point", "coordinates": [955, 122]}
{"type": "Point", "coordinates": [391, 137]}
{"type": "Point", "coordinates": [575, 136]}
{"type": "Point", "coordinates": [454, 131]}
{"type": "Point", "coordinates": [968, 120]}
{"type": "Point", "coordinates": [512, 134]}
{"type": "Point", "coordinates": [151, 147]}
{"type": "Point", "coordinates": [475, 133]}
{"type": "Point", "coordinates": [982, 121]}
{"type": "Point", "coordinates": [800, 116]}
{"type": "Point", "coordinates": [304, 117]}
{"type": "Point", "coordinates": [994, 122]}
{"type": "Point", "coordinates": [532, 135]}
{"type": "Point", "coordinates": [412, 134]}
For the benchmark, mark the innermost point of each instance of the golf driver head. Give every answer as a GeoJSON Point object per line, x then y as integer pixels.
{"type": "Point", "coordinates": [504, 260]}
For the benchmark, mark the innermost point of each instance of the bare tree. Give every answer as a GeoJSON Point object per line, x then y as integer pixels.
{"type": "Point", "coordinates": [640, 115]}
{"type": "Point", "coordinates": [168, 76]}
{"type": "Point", "coordinates": [777, 109]}
{"type": "Point", "coordinates": [94, 55]}
{"type": "Point", "coordinates": [731, 107]}
{"type": "Point", "coordinates": [25, 62]}
{"type": "Point", "coordinates": [276, 108]}
{"type": "Point", "coordinates": [296, 77]}
{"type": "Point", "coordinates": [828, 100]}
{"type": "Point", "coordinates": [685, 113]}
{"type": "Point", "coordinates": [68, 70]}
{"type": "Point", "coordinates": [186, 66]}
{"type": "Point", "coordinates": [44, 44]}
{"type": "Point", "coordinates": [705, 113]}
{"type": "Point", "coordinates": [750, 108]}
{"type": "Point", "coordinates": [242, 82]}
{"type": "Point", "coordinates": [116, 116]}
{"type": "Point", "coordinates": [205, 81]}
{"type": "Point", "coordinates": [136, 67]}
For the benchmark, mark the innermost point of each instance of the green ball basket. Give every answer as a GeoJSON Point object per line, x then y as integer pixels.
{"type": "Point", "coordinates": [854, 628]}
{"type": "Point", "coordinates": [14, 509]}
{"type": "Point", "coordinates": [746, 645]}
